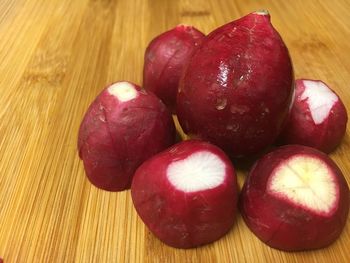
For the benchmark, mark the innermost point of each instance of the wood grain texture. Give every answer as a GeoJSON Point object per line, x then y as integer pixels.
{"type": "Point", "coordinates": [57, 55]}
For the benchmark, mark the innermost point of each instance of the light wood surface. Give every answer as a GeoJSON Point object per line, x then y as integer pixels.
{"type": "Point", "coordinates": [57, 55]}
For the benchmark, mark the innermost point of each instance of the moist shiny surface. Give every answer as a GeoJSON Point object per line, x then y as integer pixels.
{"type": "Point", "coordinates": [237, 87]}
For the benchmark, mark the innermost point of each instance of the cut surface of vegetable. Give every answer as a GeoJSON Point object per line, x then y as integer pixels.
{"type": "Point", "coordinates": [295, 198]}
{"type": "Point", "coordinates": [317, 117]}
{"type": "Point", "coordinates": [187, 194]}
{"type": "Point", "coordinates": [199, 171]}
{"type": "Point", "coordinates": [307, 181]}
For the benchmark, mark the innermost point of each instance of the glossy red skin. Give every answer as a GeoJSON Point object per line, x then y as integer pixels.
{"type": "Point", "coordinates": [244, 69]}
{"type": "Point", "coordinates": [165, 58]}
{"type": "Point", "coordinates": [282, 225]}
{"type": "Point", "coordinates": [301, 129]}
{"type": "Point", "coordinates": [180, 219]}
{"type": "Point", "coordinates": [116, 137]}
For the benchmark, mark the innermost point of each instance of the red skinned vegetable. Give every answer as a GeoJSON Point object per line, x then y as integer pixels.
{"type": "Point", "coordinates": [237, 87]}
{"type": "Point", "coordinates": [318, 117]}
{"type": "Point", "coordinates": [187, 194]}
{"type": "Point", "coordinates": [295, 198]}
{"type": "Point", "coordinates": [123, 127]}
{"type": "Point", "coordinates": [165, 58]}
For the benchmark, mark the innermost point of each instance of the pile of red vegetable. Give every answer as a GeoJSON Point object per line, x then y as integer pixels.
{"type": "Point", "coordinates": [234, 93]}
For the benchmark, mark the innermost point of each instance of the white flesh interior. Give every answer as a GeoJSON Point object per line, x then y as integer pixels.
{"type": "Point", "coordinates": [306, 181]}
{"type": "Point", "coordinates": [262, 12]}
{"type": "Point", "coordinates": [199, 171]}
{"type": "Point", "coordinates": [319, 98]}
{"type": "Point", "coordinates": [124, 91]}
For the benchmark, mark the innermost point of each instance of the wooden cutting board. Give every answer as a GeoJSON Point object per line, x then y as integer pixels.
{"type": "Point", "coordinates": [57, 55]}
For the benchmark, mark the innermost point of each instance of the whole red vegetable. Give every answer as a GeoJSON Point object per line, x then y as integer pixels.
{"type": "Point", "coordinates": [165, 58]}
{"type": "Point", "coordinates": [237, 87]}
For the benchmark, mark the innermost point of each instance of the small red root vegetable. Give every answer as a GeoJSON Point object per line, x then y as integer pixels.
{"type": "Point", "coordinates": [318, 117]}
{"type": "Point", "coordinates": [295, 198]}
{"type": "Point", "coordinates": [122, 128]}
{"type": "Point", "coordinates": [165, 58]}
{"type": "Point", "coordinates": [237, 87]}
{"type": "Point", "coordinates": [187, 194]}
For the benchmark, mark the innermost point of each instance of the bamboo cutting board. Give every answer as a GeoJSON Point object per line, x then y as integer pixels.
{"type": "Point", "coordinates": [57, 55]}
